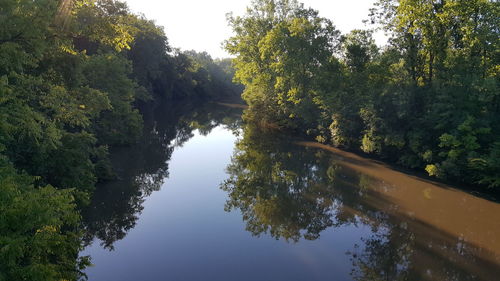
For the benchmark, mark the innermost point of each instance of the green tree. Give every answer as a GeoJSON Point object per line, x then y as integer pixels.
{"type": "Point", "coordinates": [280, 46]}
{"type": "Point", "coordinates": [39, 237]}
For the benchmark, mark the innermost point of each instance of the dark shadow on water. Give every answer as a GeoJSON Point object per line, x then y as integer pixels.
{"type": "Point", "coordinates": [142, 168]}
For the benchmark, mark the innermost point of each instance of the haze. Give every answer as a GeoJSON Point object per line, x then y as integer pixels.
{"type": "Point", "coordinates": [201, 25]}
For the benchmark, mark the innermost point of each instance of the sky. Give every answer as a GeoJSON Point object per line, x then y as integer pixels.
{"type": "Point", "coordinates": [201, 25]}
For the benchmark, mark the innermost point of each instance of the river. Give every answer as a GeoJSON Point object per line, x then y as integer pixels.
{"type": "Point", "coordinates": [205, 197]}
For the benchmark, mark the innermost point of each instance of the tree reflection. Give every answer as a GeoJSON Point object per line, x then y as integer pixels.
{"type": "Point", "coordinates": [293, 192]}
{"type": "Point", "coordinates": [379, 259]}
{"type": "Point", "coordinates": [142, 169]}
{"type": "Point", "coordinates": [283, 189]}
{"type": "Point", "coordinates": [413, 251]}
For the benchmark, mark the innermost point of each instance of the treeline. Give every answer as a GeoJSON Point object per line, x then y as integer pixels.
{"type": "Point", "coordinates": [73, 74]}
{"type": "Point", "coordinates": [428, 100]}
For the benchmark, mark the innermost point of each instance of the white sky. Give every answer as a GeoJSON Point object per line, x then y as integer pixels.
{"type": "Point", "coordinates": [201, 24]}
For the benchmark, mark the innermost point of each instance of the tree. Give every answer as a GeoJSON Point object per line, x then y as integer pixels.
{"type": "Point", "coordinates": [39, 237]}
{"type": "Point", "coordinates": [281, 47]}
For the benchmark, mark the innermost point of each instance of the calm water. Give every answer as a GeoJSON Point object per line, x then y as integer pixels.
{"type": "Point", "coordinates": [203, 197]}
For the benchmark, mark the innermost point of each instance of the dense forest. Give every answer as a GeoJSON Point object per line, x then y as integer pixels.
{"type": "Point", "coordinates": [74, 75]}
{"type": "Point", "coordinates": [429, 100]}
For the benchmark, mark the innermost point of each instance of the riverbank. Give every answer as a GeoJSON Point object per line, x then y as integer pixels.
{"type": "Point", "coordinates": [269, 205]}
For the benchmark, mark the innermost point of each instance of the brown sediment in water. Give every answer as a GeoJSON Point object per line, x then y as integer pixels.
{"type": "Point", "coordinates": [450, 212]}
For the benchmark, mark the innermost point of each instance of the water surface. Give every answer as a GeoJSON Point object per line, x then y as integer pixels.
{"type": "Point", "coordinates": [204, 197]}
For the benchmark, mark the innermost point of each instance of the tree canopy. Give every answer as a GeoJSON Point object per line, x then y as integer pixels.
{"type": "Point", "coordinates": [427, 100]}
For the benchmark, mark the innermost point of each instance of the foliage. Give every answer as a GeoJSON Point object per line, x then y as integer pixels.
{"type": "Point", "coordinates": [73, 75]}
{"type": "Point", "coordinates": [39, 238]}
{"type": "Point", "coordinates": [281, 50]}
{"type": "Point", "coordinates": [428, 100]}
